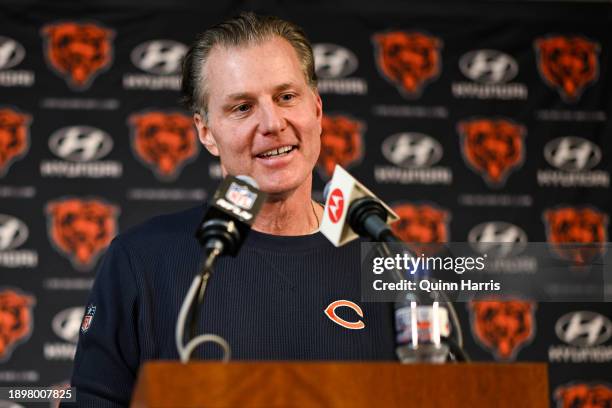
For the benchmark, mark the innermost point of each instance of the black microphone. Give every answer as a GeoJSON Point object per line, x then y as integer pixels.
{"type": "Point", "coordinates": [366, 216]}
{"type": "Point", "coordinates": [224, 227]}
{"type": "Point", "coordinates": [230, 214]}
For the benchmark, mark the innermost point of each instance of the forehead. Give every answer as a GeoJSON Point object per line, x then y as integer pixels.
{"type": "Point", "coordinates": [252, 68]}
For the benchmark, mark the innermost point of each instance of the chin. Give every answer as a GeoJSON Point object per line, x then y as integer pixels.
{"type": "Point", "coordinates": [281, 185]}
{"type": "Point", "coordinates": [277, 188]}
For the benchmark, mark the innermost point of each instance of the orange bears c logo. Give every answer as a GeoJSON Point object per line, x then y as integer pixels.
{"type": "Point", "coordinates": [341, 143]}
{"type": "Point", "coordinates": [408, 60]}
{"type": "Point", "coordinates": [502, 327]}
{"type": "Point", "coordinates": [78, 51]}
{"type": "Point", "coordinates": [330, 311]}
{"type": "Point", "coordinates": [422, 227]}
{"type": "Point", "coordinates": [567, 64]}
{"type": "Point", "coordinates": [568, 229]}
{"type": "Point", "coordinates": [15, 320]}
{"type": "Point", "coordinates": [492, 148]}
{"type": "Point", "coordinates": [163, 141]}
{"type": "Point", "coordinates": [14, 137]}
{"type": "Point", "coordinates": [581, 395]}
{"type": "Point", "coordinates": [81, 229]}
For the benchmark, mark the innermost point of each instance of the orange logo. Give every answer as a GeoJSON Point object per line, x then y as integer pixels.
{"type": "Point", "coordinates": [567, 64]}
{"type": "Point", "coordinates": [422, 227]}
{"type": "Point", "coordinates": [341, 143]}
{"type": "Point", "coordinates": [492, 148]}
{"type": "Point", "coordinates": [503, 327]}
{"type": "Point", "coordinates": [15, 320]}
{"type": "Point", "coordinates": [165, 142]}
{"type": "Point", "coordinates": [78, 52]}
{"type": "Point", "coordinates": [579, 226]}
{"type": "Point", "coordinates": [330, 312]}
{"type": "Point", "coordinates": [408, 60]}
{"type": "Point", "coordinates": [81, 229]}
{"type": "Point", "coordinates": [14, 137]}
{"type": "Point", "coordinates": [581, 395]}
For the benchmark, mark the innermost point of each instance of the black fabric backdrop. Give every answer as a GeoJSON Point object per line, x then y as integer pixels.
{"type": "Point", "coordinates": [487, 124]}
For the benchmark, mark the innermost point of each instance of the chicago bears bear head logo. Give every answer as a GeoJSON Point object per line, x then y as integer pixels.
{"type": "Point", "coordinates": [81, 229]}
{"type": "Point", "coordinates": [503, 327]}
{"type": "Point", "coordinates": [408, 60]}
{"type": "Point", "coordinates": [14, 137]}
{"type": "Point", "coordinates": [15, 320]}
{"type": "Point", "coordinates": [164, 142]}
{"type": "Point", "coordinates": [582, 395]}
{"type": "Point", "coordinates": [422, 227]}
{"type": "Point", "coordinates": [78, 52]}
{"type": "Point", "coordinates": [576, 234]}
{"type": "Point", "coordinates": [568, 64]}
{"type": "Point", "coordinates": [492, 148]}
{"type": "Point", "coordinates": [341, 143]}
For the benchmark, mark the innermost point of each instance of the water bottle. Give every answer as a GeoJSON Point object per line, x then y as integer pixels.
{"type": "Point", "coordinates": [421, 324]}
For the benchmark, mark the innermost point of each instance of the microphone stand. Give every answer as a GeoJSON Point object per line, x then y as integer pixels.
{"type": "Point", "coordinates": [206, 272]}
{"type": "Point", "coordinates": [224, 227]}
{"type": "Point", "coordinates": [216, 237]}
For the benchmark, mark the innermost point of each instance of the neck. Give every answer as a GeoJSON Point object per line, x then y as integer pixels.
{"type": "Point", "coordinates": [289, 214]}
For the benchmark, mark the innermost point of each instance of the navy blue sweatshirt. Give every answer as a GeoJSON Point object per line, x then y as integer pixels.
{"type": "Point", "coordinates": [268, 303]}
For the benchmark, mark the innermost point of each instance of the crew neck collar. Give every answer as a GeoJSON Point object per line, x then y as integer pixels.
{"type": "Point", "coordinates": [285, 243]}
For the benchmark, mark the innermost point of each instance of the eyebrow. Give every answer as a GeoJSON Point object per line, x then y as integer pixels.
{"type": "Point", "coordinates": [283, 87]}
{"type": "Point", "coordinates": [246, 95]}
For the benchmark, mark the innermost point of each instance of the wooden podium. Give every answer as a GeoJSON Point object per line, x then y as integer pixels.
{"type": "Point", "coordinates": [170, 384]}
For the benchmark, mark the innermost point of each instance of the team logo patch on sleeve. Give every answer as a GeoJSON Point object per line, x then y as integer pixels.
{"type": "Point", "coordinates": [90, 312]}
{"type": "Point", "coordinates": [78, 52]}
{"type": "Point", "coordinates": [409, 60]}
{"type": "Point", "coordinates": [341, 143]}
{"type": "Point", "coordinates": [568, 64]}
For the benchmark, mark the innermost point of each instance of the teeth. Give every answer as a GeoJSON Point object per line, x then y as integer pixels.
{"type": "Point", "coordinates": [276, 152]}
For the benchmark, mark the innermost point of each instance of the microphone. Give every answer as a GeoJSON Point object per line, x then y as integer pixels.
{"type": "Point", "coordinates": [351, 210]}
{"type": "Point", "coordinates": [224, 227]}
{"type": "Point", "coordinates": [230, 214]}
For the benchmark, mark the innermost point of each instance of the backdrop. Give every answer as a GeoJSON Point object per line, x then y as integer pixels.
{"type": "Point", "coordinates": [475, 121]}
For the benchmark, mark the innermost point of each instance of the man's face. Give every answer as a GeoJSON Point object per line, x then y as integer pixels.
{"type": "Point", "coordinates": [264, 120]}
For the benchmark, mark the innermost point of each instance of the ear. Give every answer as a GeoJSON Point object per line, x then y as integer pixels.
{"type": "Point", "coordinates": [319, 104]}
{"type": "Point", "coordinates": [205, 135]}
{"type": "Point", "coordinates": [318, 108]}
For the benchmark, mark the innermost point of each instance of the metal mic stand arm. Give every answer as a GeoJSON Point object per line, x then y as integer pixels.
{"type": "Point", "coordinates": [194, 298]}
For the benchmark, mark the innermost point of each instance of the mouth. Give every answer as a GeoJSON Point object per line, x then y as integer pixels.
{"type": "Point", "coordinates": [278, 152]}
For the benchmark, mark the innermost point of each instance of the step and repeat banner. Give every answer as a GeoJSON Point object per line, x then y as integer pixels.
{"type": "Point", "coordinates": [490, 127]}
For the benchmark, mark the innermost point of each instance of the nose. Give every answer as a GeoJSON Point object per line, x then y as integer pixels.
{"type": "Point", "coordinates": [271, 119]}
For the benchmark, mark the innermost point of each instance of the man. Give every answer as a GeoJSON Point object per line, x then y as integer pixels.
{"type": "Point", "coordinates": [250, 82]}
{"type": "Point", "coordinates": [259, 110]}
